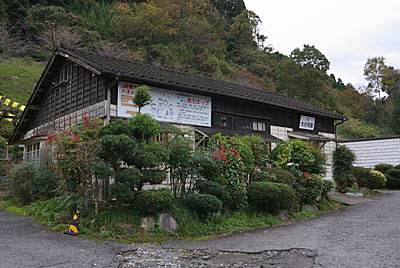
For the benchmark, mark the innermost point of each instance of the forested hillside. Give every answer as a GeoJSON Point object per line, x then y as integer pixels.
{"type": "Point", "coordinates": [217, 38]}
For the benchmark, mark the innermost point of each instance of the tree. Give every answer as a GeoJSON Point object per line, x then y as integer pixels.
{"type": "Point", "coordinates": [229, 8]}
{"type": "Point", "coordinates": [374, 72]}
{"type": "Point", "coordinates": [142, 97]}
{"type": "Point", "coordinates": [10, 44]}
{"type": "Point", "coordinates": [310, 57]}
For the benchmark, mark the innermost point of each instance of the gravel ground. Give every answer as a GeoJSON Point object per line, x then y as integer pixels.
{"type": "Point", "coordinates": [365, 236]}
{"type": "Point", "coordinates": [155, 256]}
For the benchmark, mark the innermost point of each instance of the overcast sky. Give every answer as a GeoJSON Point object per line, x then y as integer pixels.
{"type": "Point", "coordinates": [347, 32]}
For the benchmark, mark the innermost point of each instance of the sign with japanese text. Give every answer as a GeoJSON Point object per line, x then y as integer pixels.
{"type": "Point", "coordinates": [307, 122]}
{"type": "Point", "coordinates": [166, 105]}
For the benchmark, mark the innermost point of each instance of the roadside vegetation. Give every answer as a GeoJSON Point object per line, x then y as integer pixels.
{"type": "Point", "coordinates": [232, 184]}
{"type": "Point", "coordinates": [359, 180]}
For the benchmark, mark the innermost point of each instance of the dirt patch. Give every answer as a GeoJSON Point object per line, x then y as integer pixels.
{"type": "Point", "coordinates": [153, 255]}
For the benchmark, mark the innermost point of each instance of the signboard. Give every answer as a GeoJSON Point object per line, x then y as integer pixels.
{"type": "Point", "coordinates": [166, 105]}
{"type": "Point", "coordinates": [307, 122]}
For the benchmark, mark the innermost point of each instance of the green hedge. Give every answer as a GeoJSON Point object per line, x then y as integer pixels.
{"type": "Point", "coordinates": [375, 180]}
{"type": "Point", "coordinates": [360, 174]}
{"type": "Point", "coordinates": [203, 204]}
{"type": "Point", "coordinates": [270, 196]}
{"type": "Point", "coordinates": [154, 201]}
{"type": "Point", "coordinates": [210, 187]}
{"type": "Point", "coordinates": [282, 176]}
{"type": "Point", "coordinates": [393, 178]}
{"type": "Point", "coordinates": [384, 168]}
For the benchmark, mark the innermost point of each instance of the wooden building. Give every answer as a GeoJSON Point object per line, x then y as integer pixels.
{"type": "Point", "coordinates": [77, 83]}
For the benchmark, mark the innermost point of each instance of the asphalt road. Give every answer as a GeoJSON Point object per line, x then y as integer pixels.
{"type": "Point", "coordinates": [24, 243]}
{"type": "Point", "coordinates": [365, 235]}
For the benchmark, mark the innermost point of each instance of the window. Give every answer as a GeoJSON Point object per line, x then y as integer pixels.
{"type": "Point", "coordinates": [223, 121]}
{"type": "Point", "coordinates": [233, 122]}
{"type": "Point", "coordinates": [258, 125]}
{"type": "Point", "coordinates": [242, 123]}
{"type": "Point", "coordinates": [32, 153]}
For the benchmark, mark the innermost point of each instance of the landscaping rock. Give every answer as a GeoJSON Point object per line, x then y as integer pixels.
{"type": "Point", "coordinates": [146, 224]}
{"type": "Point", "coordinates": [168, 223]}
{"type": "Point", "coordinates": [283, 215]}
{"type": "Point", "coordinates": [313, 208]}
{"type": "Point", "coordinates": [126, 228]}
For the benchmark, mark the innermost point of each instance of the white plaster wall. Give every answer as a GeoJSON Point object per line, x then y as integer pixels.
{"type": "Point", "coordinates": [372, 152]}
{"type": "Point", "coordinates": [328, 149]}
{"type": "Point", "coordinates": [280, 133]}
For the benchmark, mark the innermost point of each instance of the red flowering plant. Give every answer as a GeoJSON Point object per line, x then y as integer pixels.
{"type": "Point", "coordinates": [232, 176]}
{"type": "Point", "coordinates": [75, 150]}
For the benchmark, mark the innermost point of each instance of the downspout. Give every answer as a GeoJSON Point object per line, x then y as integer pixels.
{"type": "Point", "coordinates": [110, 86]}
{"type": "Point", "coordinates": [336, 125]}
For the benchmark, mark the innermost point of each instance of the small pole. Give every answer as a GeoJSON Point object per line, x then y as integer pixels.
{"type": "Point", "coordinates": [52, 35]}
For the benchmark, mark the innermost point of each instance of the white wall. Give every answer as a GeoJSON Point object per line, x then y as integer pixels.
{"type": "Point", "coordinates": [372, 152]}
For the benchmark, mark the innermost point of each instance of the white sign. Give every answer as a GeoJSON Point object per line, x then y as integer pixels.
{"type": "Point", "coordinates": [166, 105]}
{"type": "Point", "coordinates": [307, 122]}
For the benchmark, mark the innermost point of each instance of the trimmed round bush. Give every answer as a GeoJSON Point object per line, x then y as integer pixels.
{"type": "Point", "coordinates": [375, 180]}
{"type": "Point", "coordinates": [393, 178]}
{"type": "Point", "coordinates": [270, 196]}
{"type": "Point", "coordinates": [154, 201]}
{"type": "Point", "coordinates": [281, 176]}
{"type": "Point", "coordinates": [360, 174]}
{"type": "Point", "coordinates": [203, 204]}
{"type": "Point", "coordinates": [210, 187]}
{"type": "Point", "coordinates": [383, 167]}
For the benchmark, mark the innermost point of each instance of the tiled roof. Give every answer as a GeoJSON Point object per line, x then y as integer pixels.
{"type": "Point", "coordinates": [140, 71]}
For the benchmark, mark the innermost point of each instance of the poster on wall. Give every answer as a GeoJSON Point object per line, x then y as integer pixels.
{"type": "Point", "coordinates": [307, 122]}
{"type": "Point", "coordinates": [166, 105]}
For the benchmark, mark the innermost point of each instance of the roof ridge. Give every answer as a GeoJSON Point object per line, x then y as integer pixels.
{"type": "Point", "coordinates": [285, 100]}
{"type": "Point", "coordinates": [175, 71]}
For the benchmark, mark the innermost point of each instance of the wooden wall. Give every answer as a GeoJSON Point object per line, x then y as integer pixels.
{"type": "Point", "coordinates": [73, 89]}
{"type": "Point", "coordinates": [277, 116]}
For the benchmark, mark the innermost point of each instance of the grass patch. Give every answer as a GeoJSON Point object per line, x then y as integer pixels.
{"type": "Point", "coordinates": [303, 215]}
{"type": "Point", "coordinates": [18, 77]}
{"type": "Point", "coordinates": [57, 214]}
{"type": "Point", "coordinates": [17, 210]}
{"type": "Point", "coordinates": [60, 228]}
{"type": "Point", "coordinates": [190, 225]}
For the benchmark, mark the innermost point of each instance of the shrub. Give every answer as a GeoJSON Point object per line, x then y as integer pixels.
{"type": "Point", "coordinates": [211, 188]}
{"type": "Point", "coordinates": [383, 167]}
{"type": "Point", "coordinates": [282, 176]}
{"type": "Point", "coordinates": [360, 174]}
{"type": "Point", "coordinates": [43, 185]}
{"type": "Point", "coordinates": [308, 187]}
{"type": "Point", "coordinates": [327, 186]}
{"type": "Point", "coordinates": [203, 204]}
{"type": "Point", "coordinates": [343, 159]}
{"type": "Point", "coordinates": [393, 178]}
{"type": "Point", "coordinates": [154, 201]}
{"type": "Point", "coordinates": [20, 177]}
{"type": "Point", "coordinates": [270, 196]}
{"type": "Point", "coordinates": [375, 180]}
{"type": "Point", "coordinates": [318, 166]}
{"type": "Point", "coordinates": [394, 173]}
{"type": "Point", "coordinates": [293, 151]}
{"type": "Point", "coordinates": [397, 167]}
